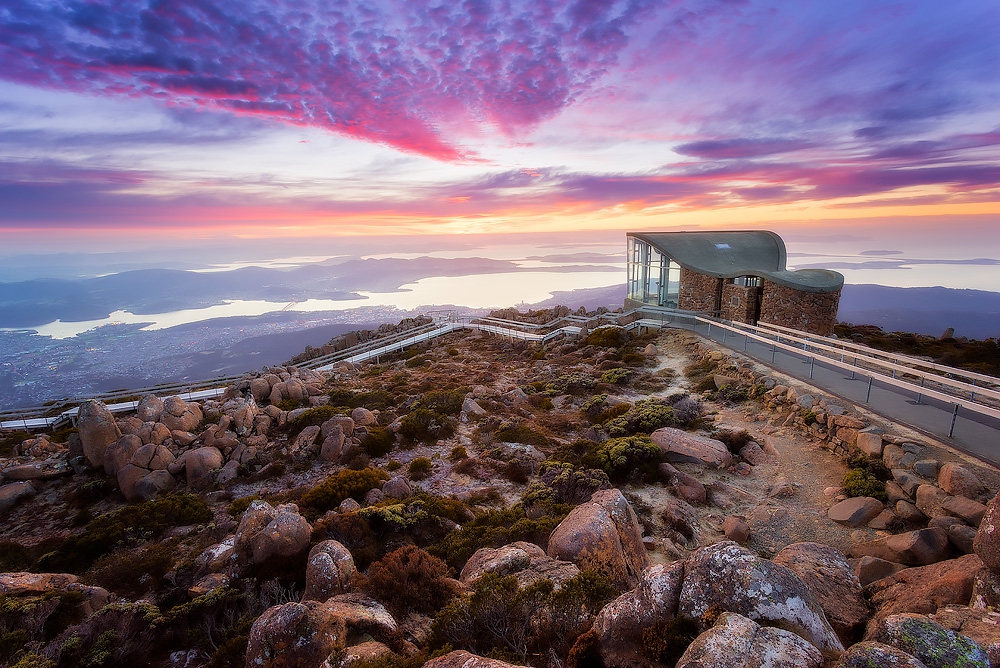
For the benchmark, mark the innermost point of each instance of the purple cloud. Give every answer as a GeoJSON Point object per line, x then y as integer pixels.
{"type": "Point", "coordinates": [413, 77]}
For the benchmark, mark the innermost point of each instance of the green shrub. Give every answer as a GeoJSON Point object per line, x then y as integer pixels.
{"type": "Point", "coordinates": [493, 528]}
{"type": "Point", "coordinates": [378, 442]}
{"type": "Point", "coordinates": [8, 442]}
{"type": "Point", "coordinates": [410, 580]}
{"type": "Point", "coordinates": [417, 361]}
{"type": "Point", "coordinates": [14, 557]}
{"type": "Point", "coordinates": [809, 416]}
{"type": "Point", "coordinates": [859, 482]}
{"type": "Point", "coordinates": [734, 393]}
{"type": "Point", "coordinates": [423, 424]}
{"type": "Point", "coordinates": [874, 466]}
{"type": "Point", "coordinates": [539, 401]}
{"type": "Point", "coordinates": [127, 526]}
{"type": "Point", "coordinates": [665, 642]}
{"type": "Point", "coordinates": [617, 376]}
{"type": "Point", "coordinates": [342, 485]}
{"type": "Point", "coordinates": [605, 337]}
{"type": "Point", "coordinates": [445, 402]}
{"type": "Point", "coordinates": [622, 457]}
{"type": "Point", "coordinates": [420, 468]}
{"type": "Point", "coordinates": [458, 453]}
{"type": "Point", "coordinates": [240, 505]}
{"type": "Point", "coordinates": [133, 572]}
{"type": "Point", "coordinates": [393, 465]}
{"type": "Point", "coordinates": [646, 416]}
{"type": "Point", "coordinates": [313, 417]}
{"type": "Point", "coordinates": [284, 404]}
{"type": "Point", "coordinates": [565, 484]}
{"type": "Point", "coordinates": [521, 433]}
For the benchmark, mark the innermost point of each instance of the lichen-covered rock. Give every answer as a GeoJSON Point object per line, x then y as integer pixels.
{"type": "Point", "coordinates": [987, 543]}
{"type": "Point", "coordinates": [680, 446]}
{"type": "Point", "coordinates": [923, 590]}
{"type": "Point", "coordinates": [931, 643]}
{"type": "Point", "coordinates": [265, 532]}
{"type": "Point", "coordinates": [330, 571]}
{"type": "Point", "coordinates": [525, 561]}
{"type": "Point", "coordinates": [294, 635]}
{"type": "Point", "coordinates": [982, 626]}
{"type": "Point", "coordinates": [914, 548]}
{"type": "Point", "coordinates": [738, 642]}
{"type": "Point", "coordinates": [26, 585]}
{"type": "Point", "coordinates": [180, 415]}
{"type": "Point", "coordinates": [620, 623]}
{"type": "Point", "coordinates": [603, 535]}
{"type": "Point", "coordinates": [201, 465]}
{"type": "Point", "coordinates": [152, 457]}
{"type": "Point", "coordinates": [306, 439]}
{"type": "Point", "coordinates": [98, 430]}
{"type": "Point", "coordinates": [830, 578]}
{"type": "Point", "coordinates": [119, 453]}
{"type": "Point", "coordinates": [736, 580]}
{"type": "Point", "coordinates": [363, 417]}
{"type": "Point", "coordinates": [462, 659]}
{"type": "Point", "coordinates": [397, 488]}
{"type": "Point", "coordinates": [150, 408]}
{"type": "Point", "coordinates": [870, 654]}
{"type": "Point", "coordinates": [985, 590]}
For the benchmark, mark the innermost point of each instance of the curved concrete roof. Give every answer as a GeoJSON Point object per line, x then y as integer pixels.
{"type": "Point", "coordinates": [728, 254]}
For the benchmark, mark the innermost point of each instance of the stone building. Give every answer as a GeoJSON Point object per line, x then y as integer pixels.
{"type": "Point", "coordinates": [737, 276]}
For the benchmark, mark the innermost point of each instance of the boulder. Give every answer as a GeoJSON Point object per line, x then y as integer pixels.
{"type": "Point", "coordinates": [681, 521]}
{"type": "Point", "coordinates": [345, 423]}
{"type": "Point", "coordinates": [982, 626]}
{"type": "Point", "coordinates": [653, 602]}
{"type": "Point", "coordinates": [683, 485]}
{"type": "Point", "coordinates": [150, 408]}
{"type": "Point", "coordinates": [929, 499]}
{"type": "Point", "coordinates": [260, 388]}
{"type": "Point", "coordinates": [119, 453]}
{"type": "Point", "coordinates": [526, 561]}
{"type": "Point", "coordinates": [736, 580]}
{"type": "Point", "coordinates": [97, 430]}
{"type": "Point", "coordinates": [471, 407]}
{"type": "Point", "coordinates": [958, 480]}
{"type": "Point", "coordinates": [965, 509]}
{"type": "Point", "coordinates": [870, 569]}
{"type": "Point", "coordinates": [266, 532]}
{"type": "Point", "coordinates": [14, 493]}
{"type": "Point", "coordinates": [870, 443]}
{"type": "Point", "coordinates": [963, 537]}
{"type": "Point", "coordinates": [856, 511]}
{"type": "Point", "coordinates": [907, 481]}
{"type": "Point", "coordinates": [370, 652]}
{"type": "Point", "coordinates": [397, 488]}
{"type": "Point", "coordinates": [333, 445]}
{"type": "Point", "coordinates": [153, 483]}
{"type": "Point", "coordinates": [909, 513]}
{"type": "Point", "coordinates": [363, 417]}
{"type": "Point", "coordinates": [680, 446]}
{"type": "Point", "coordinates": [985, 590]}
{"type": "Point", "coordinates": [738, 642]}
{"type": "Point", "coordinates": [603, 535]}
{"type": "Point", "coordinates": [753, 454]}
{"type": "Point", "coordinates": [200, 465]}
{"type": "Point", "coordinates": [930, 643]}
{"type": "Point", "coordinates": [832, 581]}
{"type": "Point", "coordinates": [914, 548]}
{"type": "Point", "coordinates": [736, 529]}
{"type": "Point", "coordinates": [128, 477]}
{"type": "Point", "coordinates": [306, 439]}
{"type": "Point", "coordinates": [870, 654]}
{"type": "Point", "coordinates": [925, 589]}
{"type": "Point", "coordinates": [462, 659]}
{"type": "Point", "coordinates": [180, 415]}
{"type": "Point", "coordinates": [295, 634]}
{"type": "Point", "coordinates": [330, 571]}
{"type": "Point", "coordinates": [26, 585]}
{"type": "Point", "coordinates": [927, 468]}
{"type": "Point", "coordinates": [152, 457]}
{"type": "Point", "coordinates": [987, 543]}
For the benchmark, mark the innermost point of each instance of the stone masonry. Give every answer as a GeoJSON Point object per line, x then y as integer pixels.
{"type": "Point", "coordinates": [814, 312]}
{"type": "Point", "coordinates": [699, 292]}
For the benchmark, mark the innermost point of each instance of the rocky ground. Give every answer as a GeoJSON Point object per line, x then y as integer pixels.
{"type": "Point", "coordinates": [611, 500]}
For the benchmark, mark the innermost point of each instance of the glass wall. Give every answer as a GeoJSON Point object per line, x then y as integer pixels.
{"type": "Point", "coordinates": [652, 277]}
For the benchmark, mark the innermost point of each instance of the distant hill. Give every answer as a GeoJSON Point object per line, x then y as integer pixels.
{"type": "Point", "coordinates": [973, 313]}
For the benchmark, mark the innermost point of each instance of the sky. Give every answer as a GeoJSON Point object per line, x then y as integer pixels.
{"type": "Point", "coordinates": [129, 123]}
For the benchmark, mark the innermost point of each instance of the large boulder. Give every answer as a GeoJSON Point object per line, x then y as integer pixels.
{"type": "Point", "coordinates": [97, 430]}
{"type": "Point", "coordinates": [525, 561]}
{"type": "Point", "coordinates": [738, 642]}
{"type": "Point", "coordinates": [14, 493]}
{"type": "Point", "coordinates": [734, 579]}
{"type": "Point", "coordinates": [603, 535]}
{"type": "Point", "coordinates": [462, 659]}
{"type": "Point", "coordinates": [931, 643]}
{"type": "Point", "coordinates": [914, 548]}
{"type": "Point", "coordinates": [960, 481]}
{"type": "Point", "coordinates": [150, 408]}
{"type": "Point", "coordinates": [855, 512]}
{"type": "Point", "coordinates": [119, 453]}
{"type": "Point", "coordinates": [983, 626]}
{"type": "Point", "coordinates": [201, 465]}
{"type": "Point", "coordinates": [265, 532]}
{"type": "Point", "coordinates": [180, 415]}
{"type": "Point", "coordinates": [295, 635]}
{"type": "Point", "coordinates": [870, 654]}
{"type": "Point", "coordinates": [653, 602]}
{"type": "Point", "coordinates": [28, 585]}
{"type": "Point", "coordinates": [680, 446]}
{"type": "Point", "coordinates": [923, 590]}
{"type": "Point", "coordinates": [330, 571]}
{"type": "Point", "coordinates": [987, 543]}
{"type": "Point", "coordinates": [363, 417]}
{"type": "Point", "coordinates": [832, 580]}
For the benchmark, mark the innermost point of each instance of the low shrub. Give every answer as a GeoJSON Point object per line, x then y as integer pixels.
{"type": "Point", "coordinates": [859, 482]}
{"type": "Point", "coordinates": [342, 485]}
{"type": "Point", "coordinates": [539, 401]}
{"type": "Point", "coordinates": [626, 457]}
{"type": "Point", "coordinates": [125, 527]}
{"type": "Point", "coordinates": [646, 416]}
{"type": "Point", "coordinates": [734, 393]}
{"type": "Point", "coordinates": [874, 465]}
{"type": "Point", "coordinates": [423, 424]}
{"type": "Point", "coordinates": [378, 442]}
{"type": "Point", "coordinates": [493, 528]}
{"type": "Point", "coordinates": [664, 643]}
{"type": "Point", "coordinates": [132, 572]}
{"type": "Point", "coordinates": [606, 337]}
{"type": "Point", "coordinates": [445, 402]}
{"type": "Point", "coordinates": [239, 506]}
{"type": "Point", "coordinates": [12, 439]}
{"type": "Point", "coordinates": [420, 468]}
{"type": "Point", "coordinates": [617, 376]}
{"type": "Point", "coordinates": [313, 417]}
{"type": "Point", "coordinates": [410, 580]}
{"type": "Point", "coordinates": [458, 453]}
{"type": "Point", "coordinates": [417, 361]}
{"type": "Point", "coordinates": [733, 440]}
{"type": "Point", "coordinates": [521, 433]}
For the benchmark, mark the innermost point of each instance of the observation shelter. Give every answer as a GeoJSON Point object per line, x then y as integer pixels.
{"type": "Point", "coordinates": [735, 275]}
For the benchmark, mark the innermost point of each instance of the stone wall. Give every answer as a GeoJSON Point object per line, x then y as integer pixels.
{"type": "Point", "coordinates": [739, 302]}
{"type": "Point", "coordinates": [814, 312]}
{"type": "Point", "coordinates": [699, 292]}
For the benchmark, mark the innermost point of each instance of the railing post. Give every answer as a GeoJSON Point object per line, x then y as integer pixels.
{"type": "Point", "coordinates": [922, 379]}
{"type": "Point", "coordinates": [746, 341]}
{"type": "Point", "coordinates": [812, 363]}
{"type": "Point", "coordinates": [773, 349]}
{"type": "Point", "coordinates": [869, 395]}
{"type": "Point", "coordinates": [954, 417]}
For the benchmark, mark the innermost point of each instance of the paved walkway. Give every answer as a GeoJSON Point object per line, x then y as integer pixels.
{"type": "Point", "coordinates": [963, 430]}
